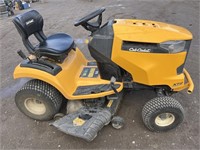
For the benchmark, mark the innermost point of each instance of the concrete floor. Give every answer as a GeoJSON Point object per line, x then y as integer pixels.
{"type": "Point", "coordinates": [20, 132]}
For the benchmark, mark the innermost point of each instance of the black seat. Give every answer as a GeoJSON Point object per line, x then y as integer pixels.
{"type": "Point", "coordinates": [56, 46]}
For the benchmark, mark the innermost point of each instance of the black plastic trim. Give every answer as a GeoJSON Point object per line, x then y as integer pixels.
{"type": "Point", "coordinates": [100, 48]}
{"type": "Point", "coordinates": [142, 47]}
{"type": "Point", "coordinates": [107, 68]}
{"type": "Point", "coordinates": [187, 48]}
{"type": "Point", "coordinates": [147, 47]}
{"type": "Point", "coordinates": [102, 40]}
{"type": "Point", "coordinates": [180, 69]}
{"type": "Point", "coordinates": [92, 63]}
{"type": "Point", "coordinates": [42, 65]}
{"type": "Point", "coordinates": [93, 89]}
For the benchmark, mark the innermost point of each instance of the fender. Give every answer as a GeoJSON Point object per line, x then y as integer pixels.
{"type": "Point", "coordinates": [67, 80]}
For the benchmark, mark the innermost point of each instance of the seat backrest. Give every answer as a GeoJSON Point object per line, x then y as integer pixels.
{"type": "Point", "coordinates": [28, 23]}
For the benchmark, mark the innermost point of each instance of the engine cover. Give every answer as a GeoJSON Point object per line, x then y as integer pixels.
{"type": "Point", "coordinates": [135, 49]}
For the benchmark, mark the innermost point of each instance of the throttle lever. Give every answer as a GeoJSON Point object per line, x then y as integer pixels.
{"type": "Point", "coordinates": [23, 56]}
{"type": "Point", "coordinates": [112, 84]}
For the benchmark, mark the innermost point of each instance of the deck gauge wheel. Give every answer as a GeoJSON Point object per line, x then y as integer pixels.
{"type": "Point", "coordinates": [117, 122]}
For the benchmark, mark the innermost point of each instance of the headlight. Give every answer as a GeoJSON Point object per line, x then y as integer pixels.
{"type": "Point", "coordinates": [173, 46]}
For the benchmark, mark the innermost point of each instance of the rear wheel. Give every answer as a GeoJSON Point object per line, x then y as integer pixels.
{"type": "Point", "coordinates": [38, 100]}
{"type": "Point", "coordinates": [162, 114]}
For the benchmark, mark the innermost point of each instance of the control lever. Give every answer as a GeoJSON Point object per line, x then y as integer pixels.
{"type": "Point", "coordinates": [112, 84]}
{"type": "Point", "coordinates": [23, 56]}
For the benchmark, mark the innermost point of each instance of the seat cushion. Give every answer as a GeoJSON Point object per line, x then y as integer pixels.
{"type": "Point", "coordinates": [55, 45]}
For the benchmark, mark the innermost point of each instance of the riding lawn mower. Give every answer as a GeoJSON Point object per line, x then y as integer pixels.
{"type": "Point", "coordinates": [129, 54]}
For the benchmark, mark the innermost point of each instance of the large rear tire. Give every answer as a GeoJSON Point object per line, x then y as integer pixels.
{"type": "Point", "coordinates": [162, 114]}
{"type": "Point", "coordinates": [38, 100]}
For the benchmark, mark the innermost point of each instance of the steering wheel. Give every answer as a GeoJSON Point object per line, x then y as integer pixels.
{"type": "Point", "coordinates": [94, 25]}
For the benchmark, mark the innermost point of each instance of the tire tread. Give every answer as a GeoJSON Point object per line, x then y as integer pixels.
{"type": "Point", "coordinates": [45, 89]}
{"type": "Point", "coordinates": [157, 104]}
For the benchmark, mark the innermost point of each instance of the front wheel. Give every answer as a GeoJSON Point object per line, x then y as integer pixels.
{"type": "Point", "coordinates": [38, 100]}
{"type": "Point", "coordinates": [162, 114]}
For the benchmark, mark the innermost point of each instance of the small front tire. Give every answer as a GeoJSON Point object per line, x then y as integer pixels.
{"type": "Point", "coordinates": [162, 114]}
{"type": "Point", "coordinates": [38, 100]}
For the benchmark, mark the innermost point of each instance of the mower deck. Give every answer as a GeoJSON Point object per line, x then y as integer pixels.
{"type": "Point", "coordinates": [86, 122]}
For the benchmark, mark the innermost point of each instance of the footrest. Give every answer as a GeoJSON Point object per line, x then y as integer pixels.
{"type": "Point", "coordinates": [85, 123]}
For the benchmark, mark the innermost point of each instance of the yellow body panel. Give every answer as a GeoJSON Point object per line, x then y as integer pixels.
{"type": "Point", "coordinates": [69, 78]}
{"type": "Point", "coordinates": [150, 68]}
{"type": "Point", "coordinates": [149, 31]}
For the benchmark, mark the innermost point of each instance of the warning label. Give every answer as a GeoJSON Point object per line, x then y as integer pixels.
{"type": "Point", "coordinates": [89, 72]}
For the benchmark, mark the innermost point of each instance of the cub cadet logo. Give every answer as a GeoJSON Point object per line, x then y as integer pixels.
{"type": "Point", "coordinates": [29, 22]}
{"type": "Point", "coordinates": [178, 84]}
{"type": "Point", "coordinates": [139, 50]}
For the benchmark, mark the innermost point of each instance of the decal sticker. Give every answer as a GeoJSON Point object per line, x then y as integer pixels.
{"type": "Point", "coordinates": [142, 47]}
{"type": "Point", "coordinates": [139, 50]}
{"type": "Point", "coordinates": [110, 103]}
{"type": "Point", "coordinates": [89, 72]}
{"type": "Point", "coordinates": [29, 22]}
{"type": "Point", "coordinates": [78, 122]}
{"type": "Point", "coordinates": [178, 84]}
